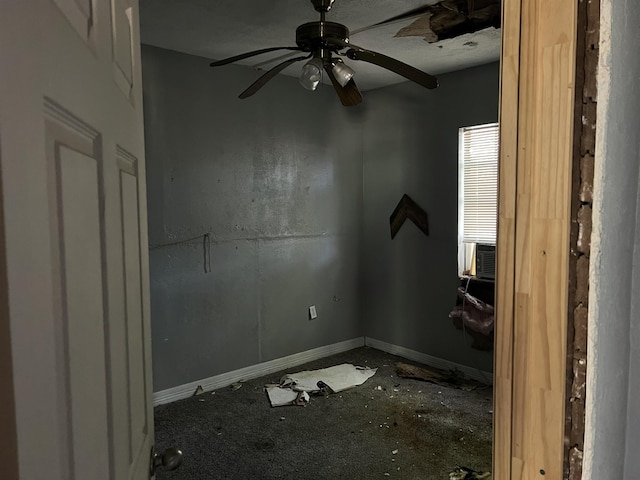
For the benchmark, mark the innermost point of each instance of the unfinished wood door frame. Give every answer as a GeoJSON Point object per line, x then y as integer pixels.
{"type": "Point", "coordinates": [537, 96]}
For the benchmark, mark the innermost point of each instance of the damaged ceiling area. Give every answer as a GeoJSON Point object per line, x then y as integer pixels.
{"type": "Point", "coordinates": [433, 36]}
{"type": "Point", "coordinates": [452, 18]}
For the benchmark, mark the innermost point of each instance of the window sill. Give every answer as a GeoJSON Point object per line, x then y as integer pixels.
{"type": "Point", "coordinates": [473, 278]}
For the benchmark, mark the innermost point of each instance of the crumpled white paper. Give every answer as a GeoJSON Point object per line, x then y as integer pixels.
{"type": "Point", "coordinates": [326, 380]}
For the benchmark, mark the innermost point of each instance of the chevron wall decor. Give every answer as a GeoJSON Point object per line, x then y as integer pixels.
{"type": "Point", "coordinates": [407, 208]}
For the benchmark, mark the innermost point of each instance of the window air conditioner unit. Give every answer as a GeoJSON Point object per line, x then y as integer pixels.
{"type": "Point", "coordinates": [486, 261]}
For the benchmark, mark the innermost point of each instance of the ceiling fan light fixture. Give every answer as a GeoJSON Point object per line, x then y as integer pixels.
{"type": "Point", "coordinates": [342, 72]}
{"type": "Point", "coordinates": [311, 73]}
{"type": "Point", "coordinates": [322, 42]}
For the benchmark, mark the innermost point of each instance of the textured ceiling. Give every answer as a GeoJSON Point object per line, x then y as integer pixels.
{"type": "Point", "coordinates": [217, 29]}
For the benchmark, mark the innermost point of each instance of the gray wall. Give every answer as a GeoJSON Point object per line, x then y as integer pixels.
{"type": "Point", "coordinates": [614, 368]}
{"type": "Point", "coordinates": [277, 181]}
{"type": "Point", "coordinates": [411, 146]}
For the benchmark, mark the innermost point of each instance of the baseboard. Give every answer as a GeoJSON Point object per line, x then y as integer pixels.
{"type": "Point", "coordinates": [254, 371]}
{"type": "Point", "coordinates": [474, 373]}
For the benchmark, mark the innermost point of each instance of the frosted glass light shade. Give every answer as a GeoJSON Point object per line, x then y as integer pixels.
{"type": "Point", "coordinates": [343, 73]}
{"type": "Point", "coordinates": [311, 74]}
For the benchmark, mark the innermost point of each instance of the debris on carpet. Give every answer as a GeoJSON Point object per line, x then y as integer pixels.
{"type": "Point", "coordinates": [445, 379]}
{"type": "Point", "coordinates": [236, 386]}
{"type": "Point", "coordinates": [280, 397]}
{"type": "Point", "coordinates": [294, 388]}
{"type": "Point", "coordinates": [464, 473]}
{"type": "Point", "coordinates": [337, 379]}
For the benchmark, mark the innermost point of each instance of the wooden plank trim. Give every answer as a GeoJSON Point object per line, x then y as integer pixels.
{"type": "Point", "coordinates": [505, 278]}
{"type": "Point", "coordinates": [544, 164]}
{"type": "Point", "coordinates": [536, 116]}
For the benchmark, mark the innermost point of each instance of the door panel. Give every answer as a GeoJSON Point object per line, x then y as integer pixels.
{"type": "Point", "coordinates": [77, 274]}
{"type": "Point", "coordinates": [122, 45]}
{"type": "Point", "coordinates": [79, 13]}
{"type": "Point", "coordinates": [82, 311]}
{"type": "Point", "coordinates": [134, 326]}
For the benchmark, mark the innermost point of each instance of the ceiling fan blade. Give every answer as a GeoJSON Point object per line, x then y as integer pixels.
{"type": "Point", "coordinates": [335, 42]}
{"type": "Point", "coordinates": [396, 66]}
{"type": "Point", "coordinates": [258, 84]}
{"type": "Point", "coordinates": [261, 64]}
{"type": "Point", "coordinates": [249, 54]}
{"type": "Point", "coordinates": [350, 95]}
{"type": "Point", "coordinates": [416, 12]}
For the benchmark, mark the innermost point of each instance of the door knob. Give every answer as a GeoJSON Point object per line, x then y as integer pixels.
{"type": "Point", "coordinates": [170, 459]}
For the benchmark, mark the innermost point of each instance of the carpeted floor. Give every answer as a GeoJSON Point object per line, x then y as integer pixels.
{"type": "Point", "coordinates": [406, 429]}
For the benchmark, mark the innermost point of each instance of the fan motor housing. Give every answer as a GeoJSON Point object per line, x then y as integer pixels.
{"type": "Point", "coordinates": [313, 35]}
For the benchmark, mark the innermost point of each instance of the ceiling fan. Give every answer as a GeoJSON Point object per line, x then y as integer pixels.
{"type": "Point", "coordinates": [324, 42]}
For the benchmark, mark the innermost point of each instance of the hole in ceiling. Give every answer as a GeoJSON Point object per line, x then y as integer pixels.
{"type": "Point", "coordinates": [452, 18]}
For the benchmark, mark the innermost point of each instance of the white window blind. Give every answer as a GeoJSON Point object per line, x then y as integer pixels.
{"type": "Point", "coordinates": [479, 183]}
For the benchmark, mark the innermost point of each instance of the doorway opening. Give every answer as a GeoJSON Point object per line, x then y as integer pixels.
{"type": "Point", "coordinates": [254, 228]}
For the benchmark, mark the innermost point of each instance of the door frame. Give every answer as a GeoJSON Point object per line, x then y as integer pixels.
{"type": "Point", "coordinates": [537, 98]}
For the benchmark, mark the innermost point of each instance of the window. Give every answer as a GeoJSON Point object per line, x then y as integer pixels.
{"type": "Point", "coordinates": [477, 193]}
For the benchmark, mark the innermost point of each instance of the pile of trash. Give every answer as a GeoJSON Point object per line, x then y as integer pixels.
{"type": "Point", "coordinates": [475, 317]}
{"type": "Point", "coordinates": [464, 473]}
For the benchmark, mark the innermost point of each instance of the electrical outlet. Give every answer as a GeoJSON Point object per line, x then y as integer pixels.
{"type": "Point", "coordinates": [312, 312]}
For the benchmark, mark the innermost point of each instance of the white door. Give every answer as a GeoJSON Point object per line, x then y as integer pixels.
{"type": "Point", "coordinates": [74, 200]}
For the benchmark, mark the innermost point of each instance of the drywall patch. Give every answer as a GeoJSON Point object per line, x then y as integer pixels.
{"type": "Point", "coordinates": [581, 233]}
